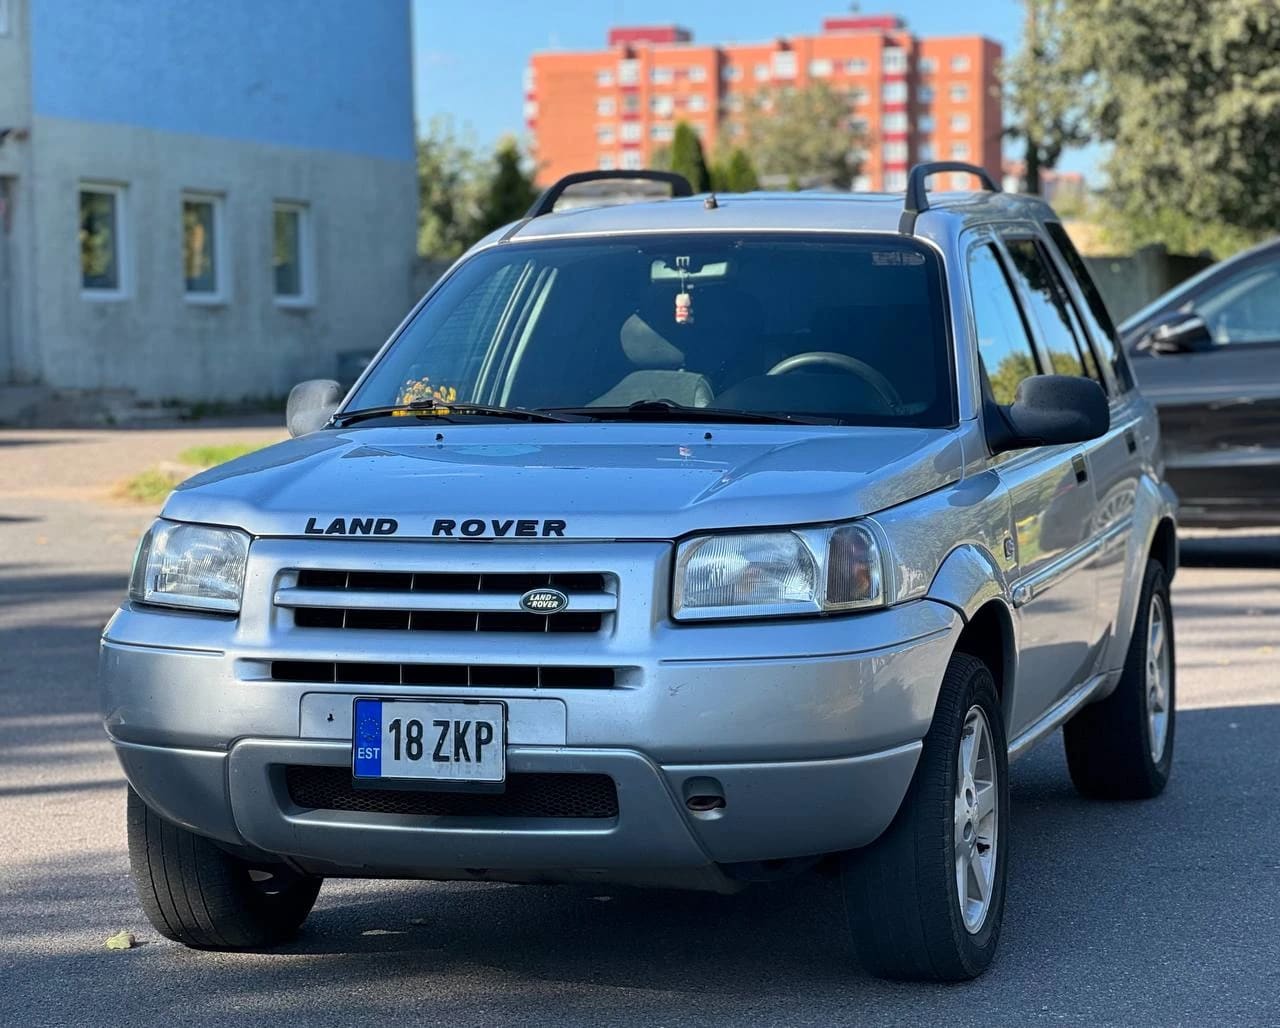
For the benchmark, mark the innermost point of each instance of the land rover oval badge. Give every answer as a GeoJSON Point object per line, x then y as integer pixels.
{"type": "Point", "coordinates": [544, 601]}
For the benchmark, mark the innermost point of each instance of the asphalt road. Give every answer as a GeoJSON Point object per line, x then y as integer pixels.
{"type": "Point", "coordinates": [1166, 912]}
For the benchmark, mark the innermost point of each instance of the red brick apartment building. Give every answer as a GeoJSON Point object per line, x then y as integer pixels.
{"type": "Point", "coordinates": [916, 98]}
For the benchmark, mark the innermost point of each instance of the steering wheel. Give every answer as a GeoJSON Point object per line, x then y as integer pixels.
{"type": "Point", "coordinates": [845, 363]}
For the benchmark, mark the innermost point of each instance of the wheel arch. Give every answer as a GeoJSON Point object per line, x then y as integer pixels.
{"type": "Point", "coordinates": [971, 581]}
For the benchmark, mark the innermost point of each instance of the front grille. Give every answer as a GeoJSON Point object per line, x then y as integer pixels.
{"type": "Point", "coordinates": [526, 796]}
{"type": "Point", "coordinates": [492, 675]}
{"type": "Point", "coordinates": [463, 591]}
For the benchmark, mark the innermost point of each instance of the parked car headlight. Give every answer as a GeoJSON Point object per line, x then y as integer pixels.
{"type": "Point", "coordinates": [771, 574]}
{"type": "Point", "coordinates": [194, 566]}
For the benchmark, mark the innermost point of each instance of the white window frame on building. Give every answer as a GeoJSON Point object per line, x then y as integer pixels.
{"type": "Point", "coordinates": [928, 65]}
{"type": "Point", "coordinates": [895, 152]}
{"type": "Point", "coordinates": [858, 96]}
{"type": "Point", "coordinates": [120, 242]}
{"type": "Point", "coordinates": [762, 73]}
{"type": "Point", "coordinates": [632, 160]}
{"type": "Point", "coordinates": [894, 122]}
{"type": "Point", "coordinates": [306, 255]}
{"type": "Point", "coordinates": [925, 94]}
{"type": "Point", "coordinates": [662, 105]}
{"type": "Point", "coordinates": [855, 66]}
{"type": "Point", "coordinates": [629, 72]}
{"type": "Point", "coordinates": [895, 181]}
{"type": "Point", "coordinates": [631, 132]}
{"type": "Point", "coordinates": [960, 62]}
{"type": "Point", "coordinates": [894, 93]}
{"type": "Point", "coordinates": [960, 181]}
{"type": "Point", "coordinates": [219, 265]}
{"type": "Point", "coordinates": [660, 75]}
{"type": "Point", "coordinates": [604, 78]}
{"type": "Point", "coordinates": [731, 73]}
{"type": "Point", "coordinates": [960, 151]}
{"type": "Point", "coordinates": [959, 123]}
{"type": "Point", "coordinates": [862, 184]}
{"type": "Point", "coordinates": [529, 79]}
{"type": "Point", "coordinates": [697, 102]}
{"type": "Point", "coordinates": [959, 92]}
{"type": "Point", "coordinates": [630, 103]}
{"type": "Point", "coordinates": [924, 124]}
{"type": "Point", "coordinates": [531, 108]}
{"type": "Point", "coordinates": [605, 107]}
{"type": "Point", "coordinates": [784, 64]}
{"type": "Point", "coordinates": [894, 60]}
{"type": "Point", "coordinates": [662, 133]}
{"type": "Point", "coordinates": [697, 73]}
{"type": "Point", "coordinates": [606, 162]}
{"type": "Point", "coordinates": [820, 67]}
{"type": "Point", "coordinates": [925, 151]}
{"type": "Point", "coordinates": [604, 135]}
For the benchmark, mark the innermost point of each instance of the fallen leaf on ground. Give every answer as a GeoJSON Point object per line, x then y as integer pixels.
{"type": "Point", "coordinates": [122, 940]}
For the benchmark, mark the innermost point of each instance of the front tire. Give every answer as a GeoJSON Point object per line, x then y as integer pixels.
{"type": "Point", "coordinates": [1121, 748]}
{"type": "Point", "coordinates": [926, 900]}
{"type": "Point", "coordinates": [196, 893]}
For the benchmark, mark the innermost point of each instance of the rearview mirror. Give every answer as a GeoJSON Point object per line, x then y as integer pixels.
{"type": "Point", "coordinates": [311, 404]}
{"type": "Point", "coordinates": [1186, 333]}
{"type": "Point", "coordinates": [1048, 410]}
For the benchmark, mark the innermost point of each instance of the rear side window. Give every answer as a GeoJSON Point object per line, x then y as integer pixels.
{"type": "Point", "coordinates": [1003, 344]}
{"type": "Point", "coordinates": [1051, 311]}
{"type": "Point", "coordinates": [1096, 316]}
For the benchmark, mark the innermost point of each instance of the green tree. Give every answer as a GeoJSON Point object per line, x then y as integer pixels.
{"type": "Point", "coordinates": [687, 158]}
{"type": "Point", "coordinates": [1188, 96]}
{"type": "Point", "coordinates": [450, 187]}
{"type": "Point", "coordinates": [510, 191]}
{"type": "Point", "coordinates": [1043, 90]}
{"type": "Point", "coordinates": [805, 136]}
{"type": "Point", "coordinates": [734, 173]}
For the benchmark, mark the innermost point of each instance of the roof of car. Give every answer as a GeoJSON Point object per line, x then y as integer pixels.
{"type": "Point", "coordinates": [806, 211]}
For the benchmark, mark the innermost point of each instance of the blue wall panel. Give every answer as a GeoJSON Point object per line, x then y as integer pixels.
{"type": "Point", "coordinates": [322, 74]}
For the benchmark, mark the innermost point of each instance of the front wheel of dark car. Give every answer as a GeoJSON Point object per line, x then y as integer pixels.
{"type": "Point", "coordinates": [926, 900]}
{"type": "Point", "coordinates": [1122, 747]}
{"type": "Point", "coordinates": [196, 893]}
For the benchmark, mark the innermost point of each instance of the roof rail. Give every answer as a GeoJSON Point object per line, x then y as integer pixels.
{"type": "Point", "coordinates": [917, 201]}
{"type": "Point", "coordinates": [546, 203]}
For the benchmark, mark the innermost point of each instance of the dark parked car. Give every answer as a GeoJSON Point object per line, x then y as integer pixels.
{"type": "Point", "coordinates": [1207, 353]}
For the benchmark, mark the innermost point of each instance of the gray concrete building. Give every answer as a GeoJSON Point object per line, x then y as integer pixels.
{"type": "Point", "coordinates": [202, 201]}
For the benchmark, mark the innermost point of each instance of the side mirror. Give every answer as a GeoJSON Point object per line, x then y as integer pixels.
{"type": "Point", "coordinates": [1185, 333]}
{"type": "Point", "coordinates": [311, 405]}
{"type": "Point", "coordinates": [1048, 410]}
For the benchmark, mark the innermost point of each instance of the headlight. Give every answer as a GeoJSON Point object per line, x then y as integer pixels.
{"type": "Point", "coordinates": [196, 566]}
{"type": "Point", "coordinates": [768, 574]}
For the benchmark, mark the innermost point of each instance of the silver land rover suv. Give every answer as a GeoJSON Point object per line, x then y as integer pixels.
{"type": "Point", "coordinates": [682, 543]}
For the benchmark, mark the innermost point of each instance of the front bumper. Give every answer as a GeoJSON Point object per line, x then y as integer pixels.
{"type": "Point", "coordinates": [810, 728]}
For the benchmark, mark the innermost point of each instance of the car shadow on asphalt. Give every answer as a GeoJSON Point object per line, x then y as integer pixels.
{"type": "Point", "coordinates": [1111, 907]}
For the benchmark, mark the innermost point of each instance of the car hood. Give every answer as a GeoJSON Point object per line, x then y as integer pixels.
{"type": "Point", "coordinates": [593, 481]}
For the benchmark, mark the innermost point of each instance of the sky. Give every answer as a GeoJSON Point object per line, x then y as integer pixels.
{"type": "Point", "coordinates": [470, 55]}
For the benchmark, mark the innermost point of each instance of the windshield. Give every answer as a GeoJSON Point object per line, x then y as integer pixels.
{"type": "Point", "coordinates": [831, 326]}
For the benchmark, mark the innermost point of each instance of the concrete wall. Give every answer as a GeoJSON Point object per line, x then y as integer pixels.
{"type": "Point", "coordinates": [1130, 282]}
{"type": "Point", "coordinates": [16, 225]}
{"type": "Point", "coordinates": [320, 74]}
{"type": "Point", "coordinates": [159, 344]}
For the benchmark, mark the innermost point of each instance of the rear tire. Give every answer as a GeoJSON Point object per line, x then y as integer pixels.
{"type": "Point", "coordinates": [903, 892]}
{"type": "Point", "coordinates": [1121, 748]}
{"type": "Point", "coordinates": [195, 893]}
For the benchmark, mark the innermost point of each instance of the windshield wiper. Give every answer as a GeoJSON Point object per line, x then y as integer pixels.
{"type": "Point", "coordinates": [438, 409]}
{"type": "Point", "coordinates": [667, 410]}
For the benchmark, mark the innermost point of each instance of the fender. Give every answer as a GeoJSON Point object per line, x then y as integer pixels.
{"type": "Point", "coordinates": [969, 580]}
{"type": "Point", "coordinates": [1154, 502]}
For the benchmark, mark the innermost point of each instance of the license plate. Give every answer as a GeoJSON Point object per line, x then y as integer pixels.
{"type": "Point", "coordinates": [449, 741]}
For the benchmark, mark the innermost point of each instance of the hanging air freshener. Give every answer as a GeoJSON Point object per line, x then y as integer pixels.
{"type": "Point", "coordinates": [684, 298]}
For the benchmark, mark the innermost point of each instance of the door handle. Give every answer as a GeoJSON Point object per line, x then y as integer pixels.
{"type": "Point", "coordinates": [1130, 440]}
{"type": "Point", "coordinates": [1082, 469]}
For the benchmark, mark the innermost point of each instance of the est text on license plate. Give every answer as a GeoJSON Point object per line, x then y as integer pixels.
{"type": "Point", "coordinates": [448, 741]}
